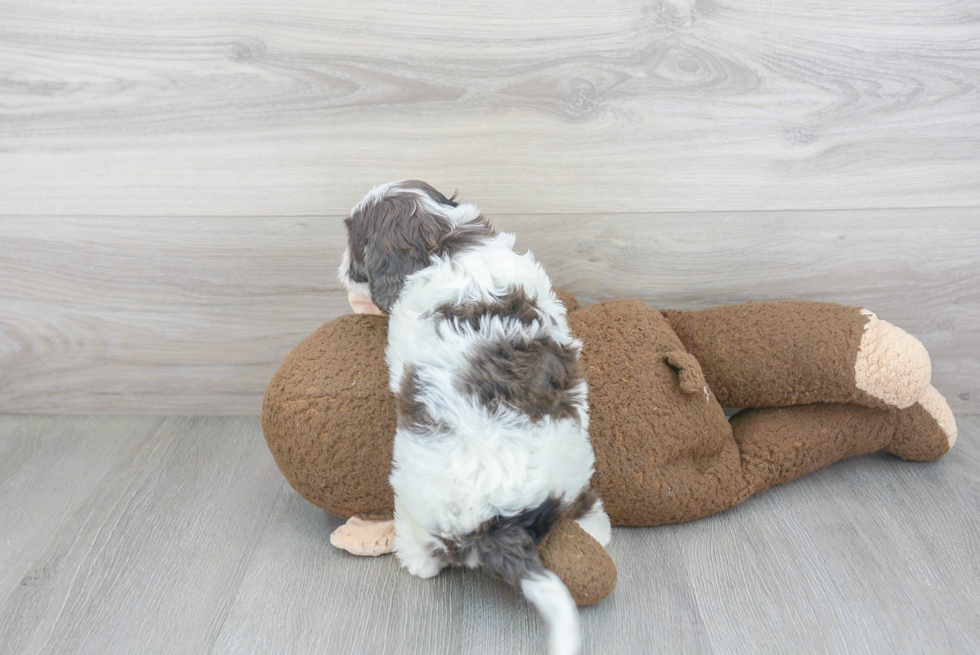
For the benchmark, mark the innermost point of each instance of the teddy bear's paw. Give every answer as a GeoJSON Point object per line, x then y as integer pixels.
{"type": "Point", "coordinates": [365, 538]}
{"type": "Point", "coordinates": [892, 365]}
{"type": "Point", "coordinates": [925, 431]}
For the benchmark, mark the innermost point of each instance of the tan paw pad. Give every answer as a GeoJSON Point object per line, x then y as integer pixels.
{"type": "Point", "coordinates": [365, 538]}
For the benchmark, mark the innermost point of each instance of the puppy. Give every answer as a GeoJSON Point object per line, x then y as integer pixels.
{"type": "Point", "coordinates": [492, 446]}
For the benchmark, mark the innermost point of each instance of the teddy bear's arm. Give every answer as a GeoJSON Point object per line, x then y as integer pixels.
{"type": "Point", "coordinates": [777, 354]}
{"type": "Point", "coordinates": [581, 563]}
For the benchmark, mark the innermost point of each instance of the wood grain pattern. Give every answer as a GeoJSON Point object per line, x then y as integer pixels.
{"type": "Point", "coordinates": [192, 316]}
{"type": "Point", "coordinates": [190, 541]}
{"type": "Point", "coordinates": [142, 316]}
{"type": "Point", "coordinates": [152, 556]}
{"type": "Point", "coordinates": [242, 108]}
{"type": "Point", "coordinates": [48, 466]}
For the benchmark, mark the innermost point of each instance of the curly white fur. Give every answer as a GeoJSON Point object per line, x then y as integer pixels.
{"type": "Point", "coordinates": [482, 462]}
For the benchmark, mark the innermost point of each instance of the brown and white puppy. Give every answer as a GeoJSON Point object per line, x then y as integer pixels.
{"type": "Point", "coordinates": [492, 444]}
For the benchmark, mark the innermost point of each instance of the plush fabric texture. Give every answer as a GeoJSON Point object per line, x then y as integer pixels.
{"type": "Point", "coordinates": [781, 444]}
{"type": "Point", "coordinates": [329, 418]}
{"type": "Point", "coordinates": [664, 451]}
{"type": "Point", "coordinates": [925, 431]}
{"type": "Point", "coordinates": [581, 563]}
{"type": "Point", "coordinates": [892, 365]}
{"type": "Point", "coordinates": [734, 344]}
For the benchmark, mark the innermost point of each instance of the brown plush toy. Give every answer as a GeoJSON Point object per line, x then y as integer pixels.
{"type": "Point", "coordinates": [822, 381]}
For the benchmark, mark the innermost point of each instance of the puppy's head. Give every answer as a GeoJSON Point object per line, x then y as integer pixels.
{"type": "Point", "coordinates": [394, 232]}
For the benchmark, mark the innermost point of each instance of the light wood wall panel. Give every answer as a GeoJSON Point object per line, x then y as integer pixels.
{"type": "Point", "coordinates": [186, 108]}
{"type": "Point", "coordinates": [193, 316]}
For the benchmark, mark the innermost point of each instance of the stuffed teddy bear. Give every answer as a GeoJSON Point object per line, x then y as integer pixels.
{"type": "Point", "coordinates": [819, 382]}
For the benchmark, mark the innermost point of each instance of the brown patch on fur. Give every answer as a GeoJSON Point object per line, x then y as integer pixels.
{"type": "Point", "coordinates": [430, 191]}
{"type": "Point", "coordinates": [582, 504]}
{"type": "Point", "coordinates": [389, 240]}
{"type": "Point", "coordinates": [507, 545]}
{"type": "Point", "coordinates": [412, 413]}
{"type": "Point", "coordinates": [464, 237]}
{"type": "Point", "coordinates": [514, 304]}
{"type": "Point", "coordinates": [536, 377]}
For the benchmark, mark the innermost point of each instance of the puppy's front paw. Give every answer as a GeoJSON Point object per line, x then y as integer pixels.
{"type": "Point", "coordinates": [425, 568]}
{"type": "Point", "coordinates": [365, 538]}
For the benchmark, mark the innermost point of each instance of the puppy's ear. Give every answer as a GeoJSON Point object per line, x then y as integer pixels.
{"type": "Point", "coordinates": [388, 272]}
{"type": "Point", "coordinates": [399, 234]}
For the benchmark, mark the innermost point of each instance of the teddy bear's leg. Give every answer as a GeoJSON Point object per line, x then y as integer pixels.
{"type": "Point", "coordinates": [797, 352]}
{"type": "Point", "coordinates": [781, 444]}
{"type": "Point", "coordinates": [365, 538]}
{"type": "Point", "coordinates": [583, 565]}
{"type": "Point", "coordinates": [926, 430]}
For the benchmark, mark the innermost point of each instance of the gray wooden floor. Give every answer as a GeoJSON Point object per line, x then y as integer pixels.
{"type": "Point", "coordinates": [179, 535]}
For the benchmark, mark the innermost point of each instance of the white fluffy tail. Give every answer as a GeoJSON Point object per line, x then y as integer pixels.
{"type": "Point", "coordinates": [550, 597]}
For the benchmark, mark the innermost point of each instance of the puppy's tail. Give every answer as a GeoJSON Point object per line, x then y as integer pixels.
{"type": "Point", "coordinates": [550, 597]}
{"type": "Point", "coordinates": [507, 547]}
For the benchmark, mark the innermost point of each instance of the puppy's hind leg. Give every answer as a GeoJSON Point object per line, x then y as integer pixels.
{"type": "Point", "coordinates": [596, 522]}
{"type": "Point", "coordinates": [416, 549]}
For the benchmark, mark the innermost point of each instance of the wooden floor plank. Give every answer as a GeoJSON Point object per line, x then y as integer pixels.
{"type": "Point", "coordinates": [151, 559]}
{"type": "Point", "coordinates": [48, 467]}
{"type": "Point", "coordinates": [193, 542]}
{"type": "Point", "coordinates": [193, 316]}
{"type": "Point", "coordinates": [869, 555]}
{"type": "Point", "coordinates": [343, 604]}
{"type": "Point", "coordinates": [805, 565]}
{"type": "Point", "coordinates": [928, 517]}
{"type": "Point", "coordinates": [654, 606]}
{"type": "Point", "coordinates": [228, 109]}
